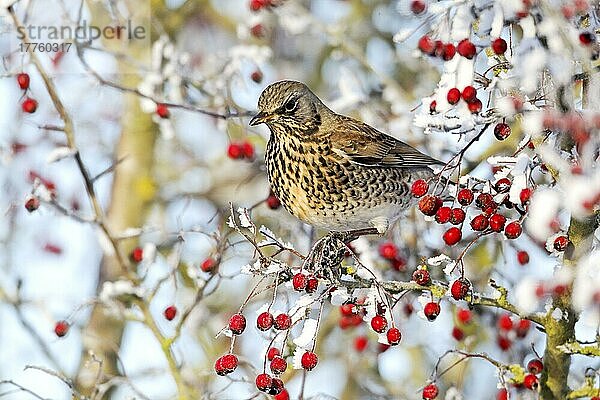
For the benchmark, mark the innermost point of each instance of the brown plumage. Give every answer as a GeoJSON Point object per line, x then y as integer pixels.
{"type": "Point", "coordinates": [332, 171]}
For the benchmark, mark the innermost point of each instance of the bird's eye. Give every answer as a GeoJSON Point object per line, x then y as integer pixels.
{"type": "Point", "coordinates": [290, 105]}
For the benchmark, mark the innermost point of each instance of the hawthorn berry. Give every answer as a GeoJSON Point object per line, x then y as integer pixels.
{"type": "Point", "coordinates": [586, 38]}
{"type": "Point", "coordinates": [170, 313]}
{"type": "Point", "coordinates": [464, 316]}
{"type": "Point", "coordinates": [497, 222]}
{"type": "Point", "coordinates": [61, 328]}
{"type": "Point", "coordinates": [502, 185]}
{"type": "Point", "coordinates": [282, 322]}
{"type": "Point", "coordinates": [393, 336]}
{"type": "Point", "coordinates": [458, 216]}
{"type": "Point", "coordinates": [276, 387]}
{"type": "Point", "coordinates": [272, 353]}
{"type": "Point", "coordinates": [32, 203]}
{"type": "Point", "coordinates": [484, 200]}
{"type": "Point", "coordinates": [273, 202]}
{"type": "Point", "coordinates": [466, 49]}
{"type": "Point", "coordinates": [432, 107]}
{"type": "Point", "coordinates": [426, 45]}
{"type": "Point", "coordinates": [458, 334]}
{"type": "Point", "coordinates": [522, 328]}
{"type": "Point", "coordinates": [284, 395]}
{"type": "Point", "coordinates": [499, 46]}
{"type": "Point", "coordinates": [237, 324]}
{"type": "Point", "coordinates": [475, 106]}
{"type": "Point", "coordinates": [399, 264]}
{"type": "Point", "coordinates": [162, 110]}
{"type": "Point", "coordinates": [309, 360]}
{"type": "Point", "coordinates": [417, 6]}
{"type": "Point", "coordinates": [503, 342]}
{"type": "Point", "coordinates": [29, 105]}
{"type": "Point", "coordinates": [501, 131]}
{"type": "Point", "coordinates": [523, 257]}
{"type": "Point", "coordinates": [453, 96]}
{"type": "Point", "coordinates": [208, 265]}
{"type": "Point", "coordinates": [419, 188]}
{"type": "Point", "coordinates": [448, 51]}
{"type": "Point", "coordinates": [535, 366]}
{"type": "Point", "coordinates": [264, 321]}
{"type": "Point", "coordinates": [23, 80]}
{"type": "Point", "coordinates": [421, 277]}
{"type": "Point", "coordinates": [278, 365]}
{"type": "Point", "coordinates": [469, 93]}
{"type": "Point", "coordinates": [388, 250]}
{"type": "Point", "coordinates": [530, 381]}
{"type": "Point", "coordinates": [431, 310]}
{"type": "Point", "coordinates": [502, 394]}
{"type": "Point", "coordinates": [379, 323]}
{"type": "Point", "coordinates": [312, 284]}
{"type": "Point", "coordinates": [513, 230]}
{"type": "Point", "coordinates": [256, 5]}
{"type": "Point", "coordinates": [429, 204]}
{"type": "Point", "coordinates": [258, 31]}
{"type": "Point", "coordinates": [348, 309]}
{"type": "Point", "coordinates": [226, 364]}
{"type": "Point", "coordinates": [459, 289]}
{"type": "Point", "coordinates": [452, 236]}
{"type": "Point", "coordinates": [525, 195]}
{"type": "Point", "coordinates": [430, 391]}
{"type": "Point", "coordinates": [299, 281]}
{"type": "Point", "coordinates": [247, 150]}
{"type": "Point", "coordinates": [465, 196]}
{"type": "Point", "coordinates": [256, 76]}
{"type": "Point", "coordinates": [505, 323]}
{"type": "Point", "coordinates": [561, 243]}
{"type": "Point", "coordinates": [263, 382]}
{"type": "Point", "coordinates": [234, 151]}
{"type": "Point", "coordinates": [137, 254]}
{"type": "Point", "coordinates": [443, 215]}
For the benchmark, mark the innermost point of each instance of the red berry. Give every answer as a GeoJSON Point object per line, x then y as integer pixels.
{"type": "Point", "coordinates": [525, 195]}
{"type": "Point", "coordinates": [469, 93]}
{"type": "Point", "coordinates": [439, 48]}
{"type": "Point", "coordinates": [458, 216]}
{"type": "Point", "coordinates": [237, 324]}
{"type": "Point", "coordinates": [530, 381]}
{"type": "Point", "coordinates": [586, 38]}
{"type": "Point", "coordinates": [170, 313]}
{"type": "Point", "coordinates": [234, 151]}
{"type": "Point", "coordinates": [443, 215]}
{"type": "Point", "coordinates": [278, 365]}
{"type": "Point", "coordinates": [263, 382]}
{"type": "Point", "coordinates": [348, 309]}
{"type": "Point", "coordinates": [421, 277]}
{"type": "Point", "coordinates": [29, 105]}
{"type": "Point", "coordinates": [504, 343]}
{"type": "Point", "coordinates": [426, 45]}
{"type": "Point", "coordinates": [453, 96]}
{"type": "Point", "coordinates": [284, 395]}
{"type": "Point", "coordinates": [257, 76]}
{"type": "Point", "coordinates": [430, 391]}
{"type": "Point", "coordinates": [502, 185]}
{"type": "Point", "coordinates": [523, 257]}
{"type": "Point", "coordinates": [505, 323]}
{"type": "Point", "coordinates": [272, 353]}
{"type": "Point", "coordinates": [264, 321]}
{"type": "Point", "coordinates": [247, 150]}
{"type": "Point", "coordinates": [299, 281]}
{"type": "Point", "coordinates": [226, 364]}
{"type": "Point", "coordinates": [475, 106]}
{"type": "Point", "coordinates": [388, 250]}
{"type": "Point", "coordinates": [162, 110]}
{"type": "Point", "coordinates": [431, 310]}
{"type": "Point", "coordinates": [360, 343]}
{"type": "Point", "coordinates": [207, 265]}
{"type": "Point", "coordinates": [561, 243]}
{"type": "Point", "coordinates": [137, 254]}
{"type": "Point", "coordinates": [273, 202]}
{"type": "Point", "coordinates": [258, 31]}
{"type": "Point", "coordinates": [276, 387]}
{"type": "Point", "coordinates": [417, 6]}
{"type": "Point", "coordinates": [459, 289]}
{"type": "Point", "coordinates": [464, 316]}
{"type": "Point", "coordinates": [502, 394]}
{"type": "Point", "coordinates": [312, 284]}
{"type": "Point", "coordinates": [282, 322]}
{"type": "Point", "coordinates": [452, 236]}
{"type": "Point", "coordinates": [458, 334]}
{"type": "Point", "coordinates": [466, 49]}
{"type": "Point", "coordinates": [448, 51]}
{"type": "Point", "coordinates": [429, 204]}
{"type": "Point", "coordinates": [309, 360]}
{"type": "Point", "coordinates": [32, 203]}
{"type": "Point", "coordinates": [535, 366]}
{"type": "Point", "coordinates": [23, 80]}
{"type": "Point", "coordinates": [513, 230]}
{"type": "Point", "coordinates": [399, 264]}
{"type": "Point", "coordinates": [497, 222]}
{"type": "Point", "coordinates": [419, 188]}
{"type": "Point", "coordinates": [465, 197]}
{"type": "Point", "coordinates": [432, 107]}
{"type": "Point", "coordinates": [522, 328]}
{"type": "Point", "coordinates": [501, 131]}
{"type": "Point", "coordinates": [61, 328]}
{"type": "Point", "coordinates": [499, 46]}
{"type": "Point", "coordinates": [394, 336]}
{"type": "Point", "coordinates": [379, 323]}
{"type": "Point", "coordinates": [256, 5]}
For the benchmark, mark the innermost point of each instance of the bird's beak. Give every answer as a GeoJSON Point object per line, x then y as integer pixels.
{"type": "Point", "coordinates": [260, 118]}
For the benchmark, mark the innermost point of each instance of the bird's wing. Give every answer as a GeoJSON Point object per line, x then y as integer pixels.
{"type": "Point", "coordinates": [365, 145]}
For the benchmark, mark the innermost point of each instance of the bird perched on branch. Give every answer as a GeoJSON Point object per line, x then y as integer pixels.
{"type": "Point", "coordinates": [332, 171]}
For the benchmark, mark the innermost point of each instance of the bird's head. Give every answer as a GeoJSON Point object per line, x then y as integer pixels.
{"type": "Point", "coordinates": [289, 107]}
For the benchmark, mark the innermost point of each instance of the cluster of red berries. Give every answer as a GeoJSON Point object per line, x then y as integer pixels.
{"type": "Point", "coordinates": [302, 282]}
{"type": "Point", "coordinates": [241, 150]}
{"type": "Point", "coordinates": [446, 51]}
{"type": "Point", "coordinates": [577, 125]}
{"type": "Point", "coordinates": [389, 251]}
{"type": "Point", "coordinates": [464, 317]}
{"type": "Point", "coordinates": [469, 95]}
{"type": "Point", "coordinates": [490, 220]}
{"type": "Point", "coordinates": [380, 324]}
{"type": "Point", "coordinates": [508, 330]}
{"type": "Point", "coordinates": [351, 315]}
{"type": "Point", "coordinates": [28, 105]}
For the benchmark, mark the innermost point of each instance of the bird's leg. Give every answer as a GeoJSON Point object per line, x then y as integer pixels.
{"type": "Point", "coordinates": [348, 236]}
